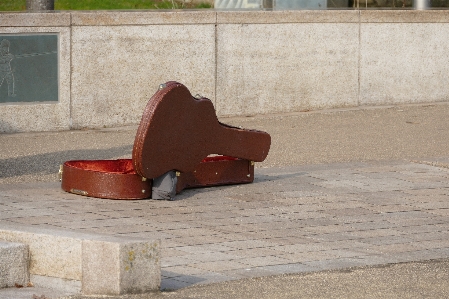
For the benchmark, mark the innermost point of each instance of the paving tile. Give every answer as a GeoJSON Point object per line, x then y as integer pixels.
{"type": "Point", "coordinates": [211, 256]}
{"type": "Point", "coordinates": [248, 272]}
{"type": "Point", "coordinates": [218, 266]}
{"type": "Point", "coordinates": [371, 225]}
{"type": "Point", "coordinates": [263, 261]}
{"type": "Point", "coordinates": [338, 263]}
{"type": "Point", "coordinates": [178, 271]}
{"type": "Point", "coordinates": [388, 240]}
{"type": "Point", "coordinates": [256, 252]}
{"type": "Point", "coordinates": [168, 284]}
{"type": "Point", "coordinates": [372, 233]}
{"type": "Point", "coordinates": [290, 268]}
{"type": "Point", "coordinates": [211, 277]}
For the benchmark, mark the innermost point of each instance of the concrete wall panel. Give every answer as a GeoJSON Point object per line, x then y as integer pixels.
{"type": "Point", "coordinates": [116, 69]}
{"type": "Point", "coordinates": [270, 68]}
{"type": "Point", "coordinates": [404, 63]}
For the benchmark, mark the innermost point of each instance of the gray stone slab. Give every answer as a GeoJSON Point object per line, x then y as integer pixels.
{"type": "Point", "coordinates": [114, 268]}
{"type": "Point", "coordinates": [375, 64]}
{"type": "Point", "coordinates": [14, 264]}
{"type": "Point", "coordinates": [77, 262]}
{"type": "Point", "coordinates": [140, 58]}
{"type": "Point", "coordinates": [309, 69]}
{"type": "Point", "coordinates": [30, 71]}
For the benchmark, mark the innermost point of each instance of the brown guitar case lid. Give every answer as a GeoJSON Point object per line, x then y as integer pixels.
{"type": "Point", "coordinates": [177, 133]}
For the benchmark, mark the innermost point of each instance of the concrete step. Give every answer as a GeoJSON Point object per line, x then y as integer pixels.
{"type": "Point", "coordinates": [90, 264]}
{"type": "Point", "coordinates": [14, 264]}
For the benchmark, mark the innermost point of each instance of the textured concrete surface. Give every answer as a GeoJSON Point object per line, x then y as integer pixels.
{"type": "Point", "coordinates": [114, 268]}
{"type": "Point", "coordinates": [53, 254]}
{"type": "Point", "coordinates": [72, 261]}
{"type": "Point", "coordinates": [246, 62]}
{"type": "Point", "coordinates": [27, 19]}
{"type": "Point", "coordinates": [400, 52]}
{"type": "Point", "coordinates": [409, 280]}
{"type": "Point", "coordinates": [340, 189]}
{"type": "Point", "coordinates": [317, 69]}
{"type": "Point", "coordinates": [14, 261]}
{"type": "Point", "coordinates": [117, 69]}
{"type": "Point", "coordinates": [139, 17]}
{"type": "Point", "coordinates": [288, 16]}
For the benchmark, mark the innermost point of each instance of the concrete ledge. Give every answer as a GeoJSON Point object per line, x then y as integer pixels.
{"type": "Point", "coordinates": [151, 17]}
{"type": "Point", "coordinates": [14, 258]}
{"type": "Point", "coordinates": [287, 16]}
{"type": "Point", "coordinates": [404, 16]}
{"type": "Point", "coordinates": [89, 263]}
{"type": "Point", "coordinates": [25, 19]}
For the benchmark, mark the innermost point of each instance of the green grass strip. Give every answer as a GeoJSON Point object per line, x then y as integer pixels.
{"type": "Point", "coordinates": [17, 5]}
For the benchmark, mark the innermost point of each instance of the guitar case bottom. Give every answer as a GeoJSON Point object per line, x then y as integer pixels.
{"type": "Point", "coordinates": [117, 179]}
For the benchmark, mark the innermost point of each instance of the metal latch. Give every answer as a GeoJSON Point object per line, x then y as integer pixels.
{"type": "Point", "coordinates": [60, 173]}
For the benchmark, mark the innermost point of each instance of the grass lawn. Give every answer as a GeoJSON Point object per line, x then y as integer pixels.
{"type": "Point", "coordinates": [9, 5]}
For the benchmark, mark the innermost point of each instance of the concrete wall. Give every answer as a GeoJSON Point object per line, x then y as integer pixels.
{"type": "Point", "coordinates": [246, 62]}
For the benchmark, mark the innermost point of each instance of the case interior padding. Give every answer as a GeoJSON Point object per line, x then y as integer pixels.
{"type": "Point", "coordinates": [117, 179]}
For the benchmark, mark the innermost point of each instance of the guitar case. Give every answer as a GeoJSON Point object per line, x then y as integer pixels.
{"type": "Point", "coordinates": [179, 144]}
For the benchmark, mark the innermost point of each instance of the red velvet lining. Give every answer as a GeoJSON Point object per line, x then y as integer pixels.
{"type": "Point", "coordinates": [125, 166]}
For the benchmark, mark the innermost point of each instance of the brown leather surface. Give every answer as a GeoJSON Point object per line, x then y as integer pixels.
{"type": "Point", "coordinates": [178, 131]}
{"type": "Point", "coordinates": [113, 179]}
{"type": "Point", "coordinates": [216, 171]}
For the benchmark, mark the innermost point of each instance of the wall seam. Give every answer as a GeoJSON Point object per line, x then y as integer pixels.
{"type": "Point", "coordinates": [70, 75]}
{"type": "Point", "coordinates": [359, 60]}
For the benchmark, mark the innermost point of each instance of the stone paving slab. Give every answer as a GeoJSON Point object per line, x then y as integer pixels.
{"type": "Point", "coordinates": [290, 220]}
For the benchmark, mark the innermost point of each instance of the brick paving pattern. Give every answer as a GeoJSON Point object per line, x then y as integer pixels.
{"type": "Point", "coordinates": [290, 220]}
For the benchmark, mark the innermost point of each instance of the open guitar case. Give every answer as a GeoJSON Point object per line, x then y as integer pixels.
{"type": "Point", "coordinates": [172, 151]}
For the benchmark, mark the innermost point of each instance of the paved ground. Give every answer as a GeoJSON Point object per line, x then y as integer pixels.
{"type": "Point", "coordinates": [339, 189]}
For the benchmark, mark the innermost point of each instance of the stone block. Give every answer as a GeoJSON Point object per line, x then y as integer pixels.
{"type": "Point", "coordinates": [52, 253]}
{"type": "Point", "coordinates": [275, 68]}
{"type": "Point", "coordinates": [14, 261]}
{"type": "Point", "coordinates": [116, 69]}
{"type": "Point", "coordinates": [403, 63]}
{"type": "Point", "coordinates": [114, 268]}
{"type": "Point", "coordinates": [92, 263]}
